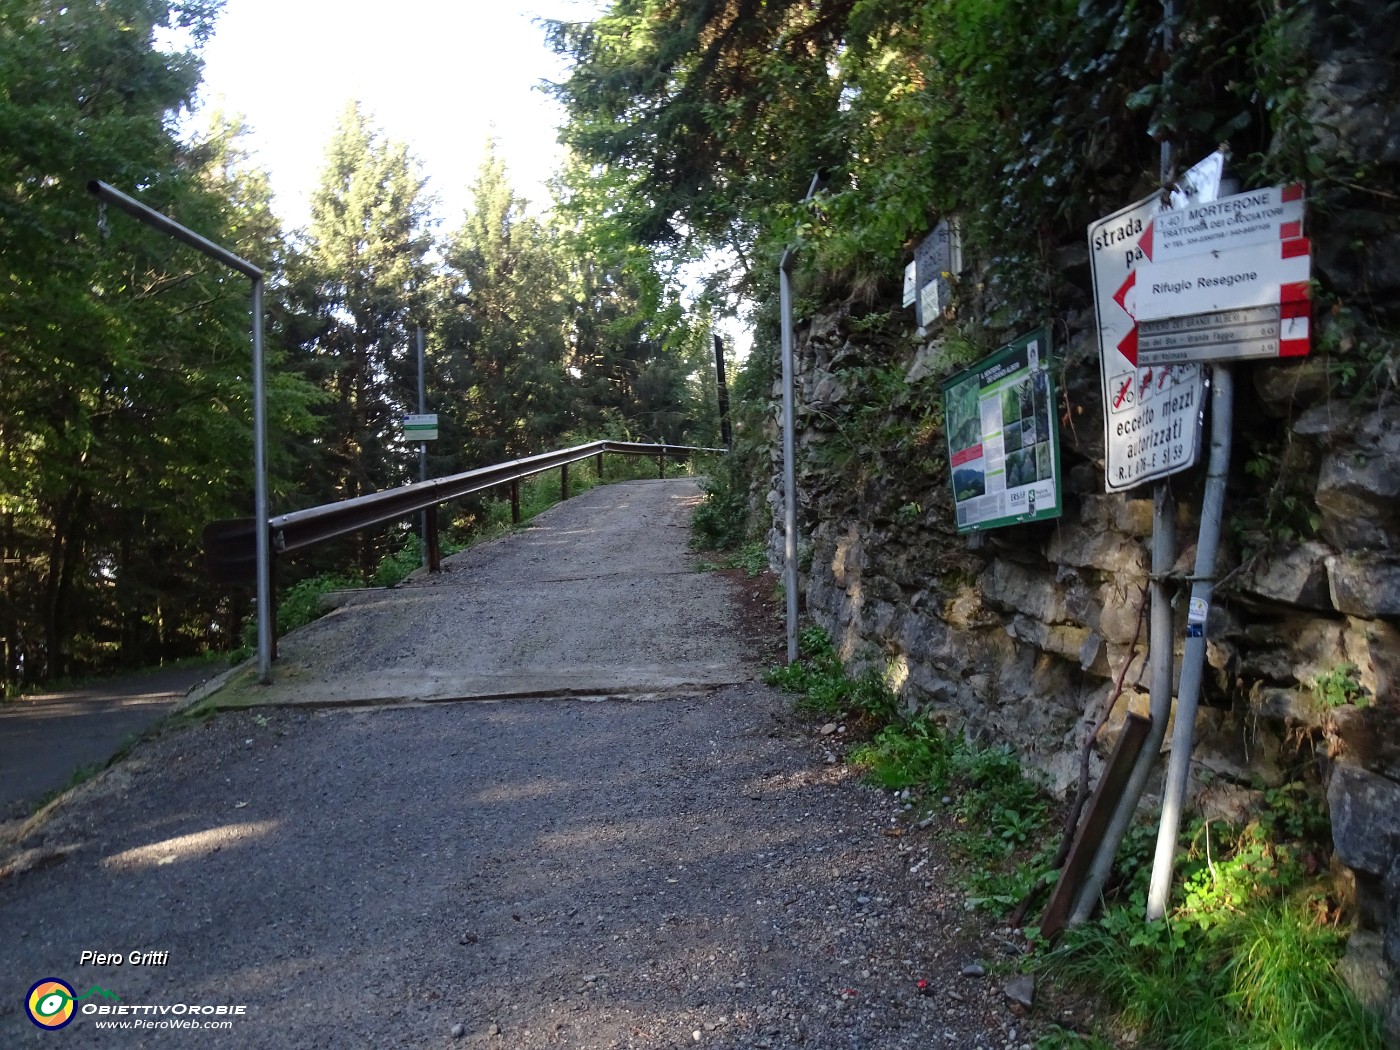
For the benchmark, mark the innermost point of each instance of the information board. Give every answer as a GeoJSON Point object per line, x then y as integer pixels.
{"type": "Point", "coordinates": [1151, 413]}
{"type": "Point", "coordinates": [420, 427]}
{"type": "Point", "coordinates": [1003, 445]}
{"type": "Point", "coordinates": [937, 256]}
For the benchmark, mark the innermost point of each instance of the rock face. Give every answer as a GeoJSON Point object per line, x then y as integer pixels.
{"type": "Point", "coordinates": [1017, 634]}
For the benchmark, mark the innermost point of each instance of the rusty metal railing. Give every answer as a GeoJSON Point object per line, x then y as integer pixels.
{"type": "Point", "coordinates": [230, 546]}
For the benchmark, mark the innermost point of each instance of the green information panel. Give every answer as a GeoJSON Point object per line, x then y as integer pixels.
{"type": "Point", "coordinates": [1002, 441]}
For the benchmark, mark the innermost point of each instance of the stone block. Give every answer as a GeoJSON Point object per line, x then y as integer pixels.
{"type": "Point", "coordinates": [1364, 970]}
{"type": "Point", "coordinates": [1365, 819]}
{"type": "Point", "coordinates": [1130, 701]}
{"type": "Point", "coordinates": [1365, 585]}
{"type": "Point", "coordinates": [1111, 552]}
{"type": "Point", "coordinates": [1283, 386]}
{"type": "Point", "coordinates": [1358, 484]}
{"type": "Point", "coordinates": [1295, 576]}
{"type": "Point", "coordinates": [1019, 589]}
{"type": "Point", "coordinates": [1118, 619]}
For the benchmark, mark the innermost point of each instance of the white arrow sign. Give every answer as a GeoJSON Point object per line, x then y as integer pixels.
{"type": "Point", "coordinates": [1215, 281]}
{"type": "Point", "coordinates": [1244, 219]}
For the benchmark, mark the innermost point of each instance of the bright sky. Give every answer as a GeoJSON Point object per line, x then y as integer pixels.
{"type": "Point", "coordinates": [441, 76]}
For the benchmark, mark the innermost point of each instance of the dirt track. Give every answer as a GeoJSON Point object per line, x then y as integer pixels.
{"type": "Point", "coordinates": [674, 871]}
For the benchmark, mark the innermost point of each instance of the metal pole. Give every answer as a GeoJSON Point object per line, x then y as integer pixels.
{"type": "Point", "coordinates": [1161, 645]}
{"type": "Point", "coordinates": [563, 483]}
{"type": "Point", "coordinates": [111, 195]}
{"type": "Point", "coordinates": [260, 510]}
{"type": "Point", "coordinates": [1161, 653]}
{"type": "Point", "coordinates": [423, 452]}
{"type": "Point", "coordinates": [789, 470]}
{"type": "Point", "coordinates": [1193, 659]}
{"type": "Point", "coordinates": [789, 443]}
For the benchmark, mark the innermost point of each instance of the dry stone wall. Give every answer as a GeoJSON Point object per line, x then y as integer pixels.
{"type": "Point", "coordinates": [1018, 635]}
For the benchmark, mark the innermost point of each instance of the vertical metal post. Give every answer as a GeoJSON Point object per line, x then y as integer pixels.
{"type": "Point", "coordinates": [563, 483]}
{"type": "Point", "coordinates": [600, 468]}
{"type": "Point", "coordinates": [515, 502]}
{"type": "Point", "coordinates": [1162, 654]}
{"type": "Point", "coordinates": [1193, 659]}
{"type": "Point", "coordinates": [1161, 646]}
{"type": "Point", "coordinates": [110, 195]}
{"type": "Point", "coordinates": [266, 614]}
{"type": "Point", "coordinates": [430, 512]}
{"type": "Point", "coordinates": [789, 443]}
{"type": "Point", "coordinates": [661, 465]}
{"type": "Point", "coordinates": [722, 386]}
{"type": "Point", "coordinates": [789, 470]}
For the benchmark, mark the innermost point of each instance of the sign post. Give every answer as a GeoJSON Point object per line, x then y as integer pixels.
{"type": "Point", "coordinates": [1151, 412]}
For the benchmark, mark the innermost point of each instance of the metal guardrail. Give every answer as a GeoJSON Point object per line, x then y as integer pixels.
{"type": "Point", "coordinates": [229, 546]}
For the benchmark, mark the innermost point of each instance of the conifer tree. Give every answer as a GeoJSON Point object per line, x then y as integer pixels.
{"type": "Point", "coordinates": [362, 282]}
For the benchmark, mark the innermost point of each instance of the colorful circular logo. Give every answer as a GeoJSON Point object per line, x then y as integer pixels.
{"type": "Point", "coordinates": [50, 1003]}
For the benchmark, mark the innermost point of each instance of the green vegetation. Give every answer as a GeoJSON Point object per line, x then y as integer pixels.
{"type": "Point", "coordinates": [1247, 957]}
{"type": "Point", "coordinates": [1339, 686]}
{"type": "Point", "coordinates": [125, 410]}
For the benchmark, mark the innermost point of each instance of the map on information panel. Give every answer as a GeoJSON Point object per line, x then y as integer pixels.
{"type": "Point", "coordinates": [1003, 445]}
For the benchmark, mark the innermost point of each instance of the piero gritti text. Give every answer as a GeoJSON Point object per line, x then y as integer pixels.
{"type": "Point", "coordinates": [138, 958]}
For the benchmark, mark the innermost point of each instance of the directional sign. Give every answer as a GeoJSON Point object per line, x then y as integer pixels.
{"type": "Point", "coordinates": [1151, 414]}
{"type": "Point", "coordinates": [1244, 219]}
{"type": "Point", "coordinates": [419, 428]}
{"type": "Point", "coordinates": [1218, 280]}
{"type": "Point", "coordinates": [1257, 332]}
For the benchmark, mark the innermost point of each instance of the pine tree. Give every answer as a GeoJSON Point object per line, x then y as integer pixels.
{"type": "Point", "coordinates": [363, 282]}
{"type": "Point", "coordinates": [502, 326]}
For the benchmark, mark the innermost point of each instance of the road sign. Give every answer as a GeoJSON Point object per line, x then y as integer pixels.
{"type": "Point", "coordinates": [1257, 332]}
{"type": "Point", "coordinates": [1222, 279]}
{"type": "Point", "coordinates": [1151, 414]}
{"type": "Point", "coordinates": [1257, 217]}
{"type": "Point", "coordinates": [422, 427]}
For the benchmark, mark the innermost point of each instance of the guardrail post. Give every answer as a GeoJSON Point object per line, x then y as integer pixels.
{"type": "Point", "coordinates": [563, 483]}
{"type": "Point", "coordinates": [661, 465]}
{"type": "Point", "coordinates": [515, 502]}
{"type": "Point", "coordinates": [600, 468]}
{"type": "Point", "coordinates": [431, 548]}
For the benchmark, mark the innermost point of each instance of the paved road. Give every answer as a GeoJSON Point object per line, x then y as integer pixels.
{"type": "Point", "coordinates": [45, 738]}
{"type": "Point", "coordinates": [659, 861]}
{"type": "Point", "coordinates": [598, 597]}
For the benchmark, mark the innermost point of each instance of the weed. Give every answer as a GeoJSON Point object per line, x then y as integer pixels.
{"type": "Point", "coordinates": [394, 568]}
{"type": "Point", "coordinates": [1338, 687]}
{"type": "Point", "coordinates": [825, 688]}
{"type": "Point", "coordinates": [752, 558]}
{"type": "Point", "coordinates": [1248, 956]}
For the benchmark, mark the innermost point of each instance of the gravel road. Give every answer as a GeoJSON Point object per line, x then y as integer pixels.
{"type": "Point", "coordinates": [675, 871]}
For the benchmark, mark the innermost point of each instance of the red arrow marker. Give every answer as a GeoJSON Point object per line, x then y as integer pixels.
{"type": "Point", "coordinates": [1122, 293]}
{"type": "Point", "coordinates": [1128, 346]}
{"type": "Point", "coordinates": [1145, 241]}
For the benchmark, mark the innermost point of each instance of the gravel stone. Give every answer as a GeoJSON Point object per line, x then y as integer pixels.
{"type": "Point", "coordinates": [527, 873]}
